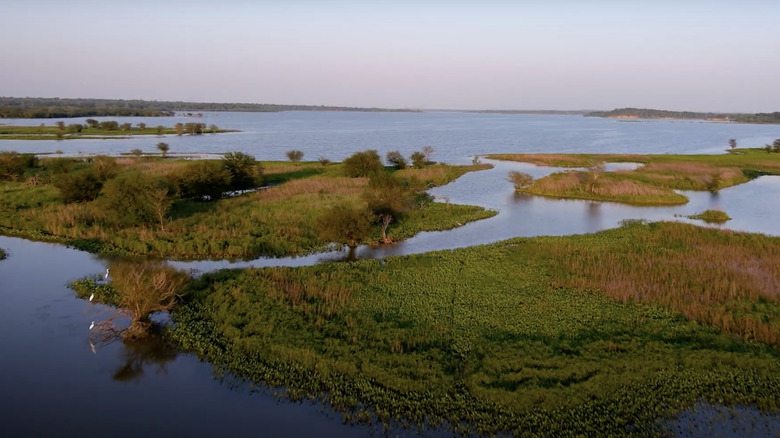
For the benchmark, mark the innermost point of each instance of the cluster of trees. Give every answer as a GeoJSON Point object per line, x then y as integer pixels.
{"type": "Point", "coordinates": [774, 147]}
{"type": "Point", "coordinates": [645, 113]}
{"type": "Point", "coordinates": [131, 197]}
{"type": "Point", "coordinates": [28, 107]}
{"type": "Point", "coordinates": [386, 199]}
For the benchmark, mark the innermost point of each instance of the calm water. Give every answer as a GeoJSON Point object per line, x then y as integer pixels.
{"type": "Point", "coordinates": [52, 383]}
{"type": "Point", "coordinates": [454, 136]}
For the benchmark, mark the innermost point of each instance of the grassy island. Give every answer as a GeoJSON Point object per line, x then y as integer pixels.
{"type": "Point", "coordinates": [201, 209]}
{"type": "Point", "coordinates": [101, 130]}
{"type": "Point", "coordinates": [605, 334]}
{"type": "Point", "coordinates": [711, 217]}
{"type": "Point", "coordinates": [653, 183]}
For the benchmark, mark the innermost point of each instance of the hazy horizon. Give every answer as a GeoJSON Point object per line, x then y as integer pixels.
{"type": "Point", "coordinates": [714, 56]}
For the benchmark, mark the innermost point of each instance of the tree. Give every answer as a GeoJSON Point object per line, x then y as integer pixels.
{"type": "Point", "coordinates": [594, 171]}
{"type": "Point", "coordinates": [164, 148]}
{"type": "Point", "coordinates": [294, 155]}
{"type": "Point", "coordinates": [137, 152]}
{"type": "Point", "coordinates": [60, 124]}
{"type": "Point", "coordinates": [776, 145]}
{"type": "Point", "coordinates": [179, 128]}
{"type": "Point", "coordinates": [732, 143]}
{"type": "Point", "coordinates": [395, 159]}
{"type": "Point", "coordinates": [145, 287]}
{"type": "Point", "coordinates": [427, 151]}
{"type": "Point", "coordinates": [362, 164]}
{"type": "Point", "coordinates": [92, 123]}
{"type": "Point", "coordinates": [345, 224]}
{"type": "Point", "coordinates": [204, 180]}
{"type": "Point", "coordinates": [324, 161]}
{"type": "Point", "coordinates": [75, 128]}
{"type": "Point", "coordinates": [160, 129]}
{"type": "Point", "coordinates": [520, 179]}
{"type": "Point", "coordinates": [125, 127]}
{"type": "Point", "coordinates": [244, 170]}
{"type": "Point", "coordinates": [387, 199]}
{"type": "Point", "coordinates": [141, 126]}
{"type": "Point", "coordinates": [418, 160]}
{"type": "Point", "coordinates": [194, 128]}
{"type": "Point", "coordinates": [134, 199]}
{"type": "Point", "coordinates": [214, 129]}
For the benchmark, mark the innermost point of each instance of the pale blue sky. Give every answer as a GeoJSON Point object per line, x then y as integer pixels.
{"type": "Point", "coordinates": [685, 55]}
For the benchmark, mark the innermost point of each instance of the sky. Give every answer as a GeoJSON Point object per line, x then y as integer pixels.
{"type": "Point", "coordinates": [427, 54]}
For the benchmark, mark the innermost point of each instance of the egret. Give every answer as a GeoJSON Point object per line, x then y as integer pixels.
{"type": "Point", "coordinates": [91, 326]}
{"type": "Point", "coordinates": [91, 297]}
{"type": "Point", "coordinates": [106, 277]}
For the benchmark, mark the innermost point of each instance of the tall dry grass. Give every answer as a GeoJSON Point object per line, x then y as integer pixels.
{"type": "Point", "coordinates": [726, 279]}
{"type": "Point", "coordinates": [341, 185]}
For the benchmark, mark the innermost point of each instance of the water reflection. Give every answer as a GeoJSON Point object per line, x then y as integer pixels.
{"type": "Point", "coordinates": [139, 355]}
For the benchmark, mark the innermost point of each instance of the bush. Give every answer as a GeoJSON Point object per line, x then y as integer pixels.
{"type": "Point", "coordinates": [245, 172]}
{"type": "Point", "coordinates": [345, 224]}
{"type": "Point", "coordinates": [79, 186]}
{"type": "Point", "coordinates": [395, 159]}
{"type": "Point", "coordinates": [204, 180]}
{"type": "Point", "coordinates": [109, 125]}
{"type": "Point", "coordinates": [134, 199]}
{"type": "Point", "coordinates": [418, 160]}
{"type": "Point", "coordinates": [12, 165]}
{"type": "Point", "coordinates": [362, 164]}
{"type": "Point", "coordinates": [519, 179]}
{"type": "Point", "coordinates": [294, 155]}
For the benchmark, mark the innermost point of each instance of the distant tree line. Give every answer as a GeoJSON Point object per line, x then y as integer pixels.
{"type": "Point", "coordinates": [644, 113]}
{"type": "Point", "coordinates": [35, 107]}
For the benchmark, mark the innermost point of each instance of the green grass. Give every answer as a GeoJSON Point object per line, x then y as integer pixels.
{"type": "Point", "coordinates": [711, 217]}
{"type": "Point", "coordinates": [278, 221]}
{"type": "Point", "coordinates": [528, 336]}
{"type": "Point", "coordinates": [653, 183]}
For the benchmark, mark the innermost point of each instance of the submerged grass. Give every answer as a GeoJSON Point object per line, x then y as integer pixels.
{"type": "Point", "coordinates": [654, 183]}
{"type": "Point", "coordinates": [600, 334]}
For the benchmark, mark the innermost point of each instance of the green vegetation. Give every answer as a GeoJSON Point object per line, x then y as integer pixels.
{"type": "Point", "coordinates": [603, 334]}
{"type": "Point", "coordinates": [187, 209]}
{"type": "Point", "coordinates": [294, 155]}
{"type": "Point", "coordinates": [97, 130]}
{"type": "Point", "coordinates": [643, 113]}
{"type": "Point", "coordinates": [3, 254]}
{"type": "Point", "coordinates": [55, 108]}
{"type": "Point", "coordinates": [711, 217]}
{"type": "Point", "coordinates": [653, 183]}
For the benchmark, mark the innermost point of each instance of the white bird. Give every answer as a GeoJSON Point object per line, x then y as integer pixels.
{"type": "Point", "coordinates": [106, 277]}
{"type": "Point", "coordinates": [91, 326]}
{"type": "Point", "coordinates": [91, 297]}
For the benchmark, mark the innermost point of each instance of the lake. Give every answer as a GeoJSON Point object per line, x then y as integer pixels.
{"type": "Point", "coordinates": [53, 383]}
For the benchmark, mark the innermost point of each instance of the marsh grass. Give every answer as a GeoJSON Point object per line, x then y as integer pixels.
{"type": "Point", "coordinates": [581, 335]}
{"type": "Point", "coordinates": [651, 184]}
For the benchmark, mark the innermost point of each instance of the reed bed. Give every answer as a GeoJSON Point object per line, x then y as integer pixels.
{"type": "Point", "coordinates": [725, 279]}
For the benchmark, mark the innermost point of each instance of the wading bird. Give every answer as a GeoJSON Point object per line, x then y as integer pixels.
{"type": "Point", "coordinates": [91, 326]}
{"type": "Point", "coordinates": [91, 297]}
{"type": "Point", "coordinates": [106, 277]}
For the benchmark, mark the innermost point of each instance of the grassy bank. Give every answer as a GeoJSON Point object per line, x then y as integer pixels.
{"type": "Point", "coordinates": [653, 183]}
{"type": "Point", "coordinates": [600, 334]}
{"type": "Point", "coordinates": [277, 221]}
